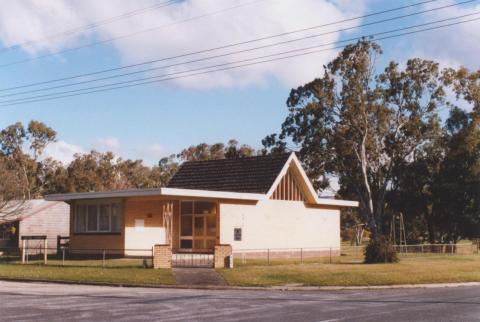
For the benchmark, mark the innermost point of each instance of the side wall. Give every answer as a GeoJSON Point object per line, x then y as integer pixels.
{"type": "Point", "coordinates": [52, 221]}
{"type": "Point", "coordinates": [278, 224]}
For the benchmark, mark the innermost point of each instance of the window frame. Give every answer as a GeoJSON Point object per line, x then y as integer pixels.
{"type": "Point", "coordinates": [87, 204]}
{"type": "Point", "coordinates": [195, 214]}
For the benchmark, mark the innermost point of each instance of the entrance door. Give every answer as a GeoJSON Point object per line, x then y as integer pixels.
{"type": "Point", "coordinates": [198, 226]}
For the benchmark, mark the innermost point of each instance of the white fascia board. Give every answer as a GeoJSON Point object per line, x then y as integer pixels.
{"type": "Point", "coordinates": [305, 178]}
{"type": "Point", "coordinates": [105, 194]}
{"type": "Point", "coordinates": [280, 176]}
{"type": "Point", "coordinates": [155, 192]}
{"type": "Point", "coordinates": [212, 194]}
{"type": "Point", "coordinates": [337, 202]}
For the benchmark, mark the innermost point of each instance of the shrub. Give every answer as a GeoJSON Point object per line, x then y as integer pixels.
{"type": "Point", "coordinates": [380, 250]}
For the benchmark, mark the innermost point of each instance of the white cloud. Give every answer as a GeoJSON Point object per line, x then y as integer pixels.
{"type": "Point", "coordinates": [109, 143]}
{"type": "Point", "coordinates": [268, 17]}
{"type": "Point", "coordinates": [150, 154]}
{"type": "Point", "coordinates": [62, 151]}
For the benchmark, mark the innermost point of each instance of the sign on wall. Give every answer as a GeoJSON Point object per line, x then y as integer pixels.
{"type": "Point", "coordinates": [237, 234]}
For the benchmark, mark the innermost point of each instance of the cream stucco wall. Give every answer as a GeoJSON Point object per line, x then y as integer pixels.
{"type": "Point", "coordinates": [277, 224]}
{"type": "Point", "coordinates": [139, 242]}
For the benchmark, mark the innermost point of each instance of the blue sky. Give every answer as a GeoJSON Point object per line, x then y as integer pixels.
{"type": "Point", "coordinates": [151, 121]}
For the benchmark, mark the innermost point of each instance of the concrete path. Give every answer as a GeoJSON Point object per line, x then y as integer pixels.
{"type": "Point", "coordinates": [198, 276]}
{"type": "Point", "coordinates": [57, 302]}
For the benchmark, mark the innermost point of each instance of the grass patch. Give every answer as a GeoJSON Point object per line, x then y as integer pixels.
{"type": "Point", "coordinates": [109, 263]}
{"type": "Point", "coordinates": [117, 275]}
{"type": "Point", "coordinates": [410, 270]}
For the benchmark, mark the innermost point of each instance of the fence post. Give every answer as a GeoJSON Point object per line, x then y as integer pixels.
{"type": "Point", "coordinates": [268, 256]}
{"type": "Point", "coordinates": [330, 255]}
{"type": "Point", "coordinates": [103, 259]}
{"type": "Point", "coordinates": [45, 248]}
{"type": "Point", "coordinates": [301, 255]}
{"type": "Point", "coordinates": [58, 244]}
{"type": "Point", "coordinates": [63, 256]}
{"type": "Point", "coordinates": [23, 251]}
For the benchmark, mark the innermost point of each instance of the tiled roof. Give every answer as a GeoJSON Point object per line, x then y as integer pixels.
{"type": "Point", "coordinates": [250, 174]}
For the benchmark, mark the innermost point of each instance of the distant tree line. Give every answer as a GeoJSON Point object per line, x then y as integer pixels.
{"type": "Point", "coordinates": [25, 175]}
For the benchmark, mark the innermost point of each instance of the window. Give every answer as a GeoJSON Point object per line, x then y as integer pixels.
{"type": "Point", "coordinates": [115, 216]}
{"type": "Point", "coordinates": [198, 225]}
{"type": "Point", "coordinates": [98, 218]}
{"type": "Point", "coordinates": [104, 218]}
{"type": "Point", "coordinates": [92, 218]}
{"type": "Point", "coordinates": [203, 207]}
{"type": "Point", "coordinates": [81, 218]}
{"type": "Point", "coordinates": [186, 226]}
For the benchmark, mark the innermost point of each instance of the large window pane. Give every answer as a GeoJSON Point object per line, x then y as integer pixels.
{"type": "Point", "coordinates": [186, 225]}
{"type": "Point", "coordinates": [104, 221]}
{"type": "Point", "coordinates": [98, 217]}
{"type": "Point", "coordinates": [92, 217]}
{"type": "Point", "coordinates": [186, 207]}
{"type": "Point", "coordinates": [115, 218]}
{"type": "Point", "coordinates": [210, 243]}
{"type": "Point", "coordinates": [211, 225]}
{"type": "Point", "coordinates": [204, 207]}
{"type": "Point", "coordinates": [199, 243]}
{"type": "Point", "coordinates": [80, 219]}
{"type": "Point", "coordinates": [199, 226]}
{"type": "Point", "coordinates": [186, 243]}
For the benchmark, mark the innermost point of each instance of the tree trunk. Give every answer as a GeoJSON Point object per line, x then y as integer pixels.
{"type": "Point", "coordinates": [27, 182]}
{"type": "Point", "coordinates": [372, 223]}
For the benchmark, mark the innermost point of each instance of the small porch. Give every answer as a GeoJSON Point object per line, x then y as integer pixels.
{"type": "Point", "coordinates": [192, 226]}
{"type": "Point", "coordinates": [192, 235]}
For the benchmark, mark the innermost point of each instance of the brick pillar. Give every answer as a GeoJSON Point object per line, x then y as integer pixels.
{"type": "Point", "coordinates": [221, 257]}
{"type": "Point", "coordinates": [162, 256]}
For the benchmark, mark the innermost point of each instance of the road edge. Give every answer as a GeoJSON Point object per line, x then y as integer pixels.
{"type": "Point", "coordinates": [245, 288]}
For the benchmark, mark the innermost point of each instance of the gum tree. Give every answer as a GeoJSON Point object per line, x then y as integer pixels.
{"type": "Point", "coordinates": [359, 125]}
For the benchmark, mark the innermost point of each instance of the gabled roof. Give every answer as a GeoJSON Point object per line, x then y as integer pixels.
{"type": "Point", "coordinates": [249, 174]}
{"type": "Point", "coordinates": [250, 178]}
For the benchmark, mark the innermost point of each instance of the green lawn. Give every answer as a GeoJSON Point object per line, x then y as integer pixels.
{"type": "Point", "coordinates": [109, 263]}
{"type": "Point", "coordinates": [410, 270]}
{"type": "Point", "coordinates": [346, 270]}
{"type": "Point", "coordinates": [117, 275]}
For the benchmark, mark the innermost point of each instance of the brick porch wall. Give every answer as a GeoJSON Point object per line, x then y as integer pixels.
{"type": "Point", "coordinates": [222, 253]}
{"type": "Point", "coordinates": [162, 256]}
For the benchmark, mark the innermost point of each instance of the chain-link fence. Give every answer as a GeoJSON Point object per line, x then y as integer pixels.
{"type": "Point", "coordinates": [98, 257]}
{"type": "Point", "coordinates": [142, 258]}
{"type": "Point", "coordinates": [346, 254]}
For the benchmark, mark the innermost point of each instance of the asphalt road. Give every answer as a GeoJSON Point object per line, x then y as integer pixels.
{"type": "Point", "coordinates": [56, 302]}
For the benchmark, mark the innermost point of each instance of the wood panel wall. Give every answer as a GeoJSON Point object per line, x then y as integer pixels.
{"type": "Point", "coordinates": [288, 189]}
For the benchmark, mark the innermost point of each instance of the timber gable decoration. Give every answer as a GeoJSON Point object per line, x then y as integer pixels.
{"type": "Point", "coordinates": [288, 189]}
